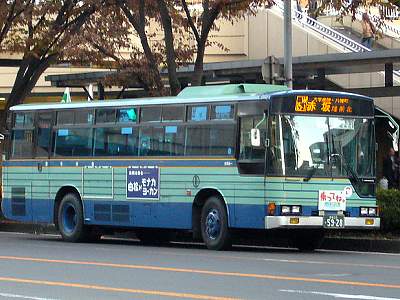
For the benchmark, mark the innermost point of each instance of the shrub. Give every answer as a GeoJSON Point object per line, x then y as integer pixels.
{"type": "Point", "coordinates": [389, 209]}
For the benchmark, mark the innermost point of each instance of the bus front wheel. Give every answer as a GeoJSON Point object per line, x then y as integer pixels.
{"type": "Point", "coordinates": [214, 225]}
{"type": "Point", "coordinates": [70, 219]}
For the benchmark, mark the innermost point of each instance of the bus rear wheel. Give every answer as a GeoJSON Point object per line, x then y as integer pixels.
{"type": "Point", "coordinates": [214, 225]}
{"type": "Point", "coordinates": [70, 219]}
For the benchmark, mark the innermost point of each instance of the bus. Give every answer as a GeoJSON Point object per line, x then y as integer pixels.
{"type": "Point", "coordinates": [212, 161]}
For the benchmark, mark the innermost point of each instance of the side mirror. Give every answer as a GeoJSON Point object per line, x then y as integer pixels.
{"type": "Point", "coordinates": [255, 137]}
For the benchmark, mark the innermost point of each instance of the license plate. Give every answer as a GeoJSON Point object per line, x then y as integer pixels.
{"type": "Point", "coordinates": [333, 221]}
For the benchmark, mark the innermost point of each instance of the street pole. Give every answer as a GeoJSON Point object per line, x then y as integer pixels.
{"type": "Point", "coordinates": [287, 45]}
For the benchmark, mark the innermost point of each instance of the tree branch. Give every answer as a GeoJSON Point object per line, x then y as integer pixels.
{"type": "Point", "coordinates": [190, 21]}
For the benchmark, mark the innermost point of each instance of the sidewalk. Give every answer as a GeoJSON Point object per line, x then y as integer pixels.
{"type": "Point", "coordinates": [345, 241]}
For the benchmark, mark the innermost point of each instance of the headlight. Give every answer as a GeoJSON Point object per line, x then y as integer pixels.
{"type": "Point", "coordinates": [285, 209]}
{"type": "Point", "coordinates": [364, 211]}
{"type": "Point", "coordinates": [372, 211]}
{"type": "Point", "coordinates": [296, 209]}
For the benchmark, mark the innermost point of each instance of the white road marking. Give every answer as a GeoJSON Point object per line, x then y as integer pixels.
{"type": "Point", "coordinates": [339, 296]}
{"type": "Point", "coordinates": [359, 252]}
{"type": "Point", "coordinates": [6, 295]}
{"type": "Point", "coordinates": [332, 275]}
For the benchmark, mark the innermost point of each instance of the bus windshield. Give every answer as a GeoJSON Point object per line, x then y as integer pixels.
{"type": "Point", "coordinates": [330, 146]}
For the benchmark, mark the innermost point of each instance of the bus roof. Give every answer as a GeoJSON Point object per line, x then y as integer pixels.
{"type": "Point", "coordinates": [198, 94]}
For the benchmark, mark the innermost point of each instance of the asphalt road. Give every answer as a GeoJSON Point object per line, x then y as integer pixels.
{"type": "Point", "coordinates": [44, 267]}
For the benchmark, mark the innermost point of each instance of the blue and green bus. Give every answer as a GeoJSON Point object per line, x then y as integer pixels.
{"type": "Point", "coordinates": [212, 161]}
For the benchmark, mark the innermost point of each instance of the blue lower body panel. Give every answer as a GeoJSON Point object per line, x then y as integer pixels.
{"type": "Point", "coordinates": [144, 214]}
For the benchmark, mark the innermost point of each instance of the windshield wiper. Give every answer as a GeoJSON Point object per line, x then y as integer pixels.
{"type": "Point", "coordinates": [345, 164]}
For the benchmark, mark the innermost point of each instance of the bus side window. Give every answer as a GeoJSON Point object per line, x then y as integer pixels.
{"type": "Point", "coordinates": [44, 123]}
{"type": "Point", "coordinates": [119, 141]}
{"type": "Point", "coordinates": [22, 136]}
{"type": "Point", "coordinates": [174, 140]}
{"type": "Point", "coordinates": [22, 143]}
{"type": "Point", "coordinates": [197, 140]}
{"type": "Point", "coordinates": [222, 140]}
{"type": "Point", "coordinates": [73, 142]}
{"type": "Point", "coordinates": [151, 141]}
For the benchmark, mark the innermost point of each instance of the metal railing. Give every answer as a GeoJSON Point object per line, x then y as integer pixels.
{"type": "Point", "coordinates": [386, 28]}
{"type": "Point", "coordinates": [327, 32]}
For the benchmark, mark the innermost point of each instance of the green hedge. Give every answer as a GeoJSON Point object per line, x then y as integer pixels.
{"type": "Point", "coordinates": [389, 209]}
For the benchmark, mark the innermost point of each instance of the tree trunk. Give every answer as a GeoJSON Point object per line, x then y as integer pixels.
{"type": "Point", "coordinates": [28, 74]}
{"type": "Point", "coordinates": [139, 24]}
{"type": "Point", "coordinates": [169, 45]}
{"type": "Point", "coordinates": [197, 77]}
{"type": "Point", "coordinates": [151, 62]}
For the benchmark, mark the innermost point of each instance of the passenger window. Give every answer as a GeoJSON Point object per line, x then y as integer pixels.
{"type": "Point", "coordinates": [73, 142]}
{"type": "Point", "coordinates": [173, 113]}
{"type": "Point", "coordinates": [65, 117]}
{"type": "Point", "coordinates": [83, 117]}
{"type": "Point", "coordinates": [150, 114]}
{"type": "Point", "coordinates": [22, 143]}
{"type": "Point", "coordinates": [116, 141]}
{"type": "Point", "coordinates": [127, 115]}
{"type": "Point", "coordinates": [222, 140]}
{"type": "Point", "coordinates": [69, 117]}
{"type": "Point", "coordinates": [197, 113]}
{"type": "Point", "coordinates": [174, 140]}
{"type": "Point", "coordinates": [151, 141]}
{"type": "Point", "coordinates": [105, 115]}
{"type": "Point", "coordinates": [222, 112]}
{"type": "Point", "coordinates": [197, 141]}
{"type": "Point", "coordinates": [44, 122]}
{"type": "Point", "coordinates": [23, 120]}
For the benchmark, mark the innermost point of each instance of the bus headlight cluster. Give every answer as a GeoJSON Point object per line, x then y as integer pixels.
{"type": "Point", "coordinates": [368, 211]}
{"type": "Point", "coordinates": [291, 209]}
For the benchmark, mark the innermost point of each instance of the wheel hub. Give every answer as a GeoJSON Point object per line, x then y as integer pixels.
{"type": "Point", "coordinates": [213, 224]}
{"type": "Point", "coordinates": [70, 218]}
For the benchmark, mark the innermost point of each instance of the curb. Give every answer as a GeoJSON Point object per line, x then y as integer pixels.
{"type": "Point", "coordinates": [330, 243]}
{"type": "Point", "coordinates": [362, 245]}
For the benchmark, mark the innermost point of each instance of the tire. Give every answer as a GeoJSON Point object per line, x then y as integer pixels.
{"type": "Point", "coordinates": [214, 225]}
{"type": "Point", "coordinates": [70, 219]}
{"type": "Point", "coordinates": [309, 240]}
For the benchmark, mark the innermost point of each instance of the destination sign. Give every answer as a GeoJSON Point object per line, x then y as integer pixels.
{"type": "Point", "coordinates": [323, 104]}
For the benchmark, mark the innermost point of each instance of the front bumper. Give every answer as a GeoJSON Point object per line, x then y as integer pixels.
{"type": "Point", "coordinates": [317, 222]}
